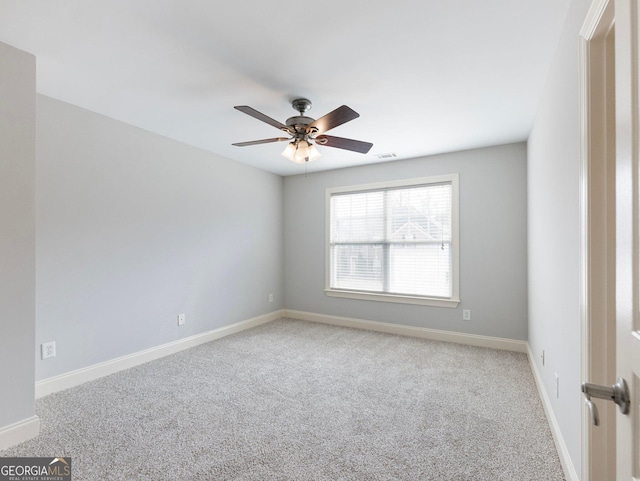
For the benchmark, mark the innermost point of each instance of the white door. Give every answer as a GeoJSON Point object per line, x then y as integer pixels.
{"type": "Point", "coordinates": [623, 323]}
{"type": "Point", "coordinates": [627, 212]}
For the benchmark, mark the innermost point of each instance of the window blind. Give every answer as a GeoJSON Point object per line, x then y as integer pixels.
{"type": "Point", "coordinates": [393, 240]}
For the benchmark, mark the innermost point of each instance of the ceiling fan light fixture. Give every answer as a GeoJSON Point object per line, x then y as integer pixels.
{"type": "Point", "coordinates": [300, 151]}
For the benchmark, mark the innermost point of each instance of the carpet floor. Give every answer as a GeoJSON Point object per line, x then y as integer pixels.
{"type": "Point", "coordinates": [294, 400]}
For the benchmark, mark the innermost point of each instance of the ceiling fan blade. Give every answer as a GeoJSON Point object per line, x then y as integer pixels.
{"type": "Point", "coordinates": [342, 143]}
{"type": "Point", "coordinates": [265, 141]}
{"type": "Point", "coordinates": [260, 116]}
{"type": "Point", "coordinates": [337, 117]}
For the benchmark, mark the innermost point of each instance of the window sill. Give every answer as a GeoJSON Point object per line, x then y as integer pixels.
{"type": "Point", "coordinates": [367, 296]}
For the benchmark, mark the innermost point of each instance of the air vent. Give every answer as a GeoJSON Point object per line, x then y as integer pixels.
{"type": "Point", "coordinates": [386, 156]}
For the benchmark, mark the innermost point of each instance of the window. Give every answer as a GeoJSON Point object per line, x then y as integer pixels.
{"type": "Point", "coordinates": [394, 241]}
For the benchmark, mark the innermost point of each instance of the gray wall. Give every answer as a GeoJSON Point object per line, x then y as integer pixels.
{"type": "Point", "coordinates": [17, 233]}
{"type": "Point", "coordinates": [492, 242]}
{"type": "Point", "coordinates": [134, 228]}
{"type": "Point", "coordinates": [554, 232]}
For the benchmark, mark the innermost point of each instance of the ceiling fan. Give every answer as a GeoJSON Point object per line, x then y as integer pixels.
{"type": "Point", "coordinates": [305, 132]}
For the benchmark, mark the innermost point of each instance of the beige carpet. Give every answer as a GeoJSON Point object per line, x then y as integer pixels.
{"type": "Point", "coordinates": [294, 400]}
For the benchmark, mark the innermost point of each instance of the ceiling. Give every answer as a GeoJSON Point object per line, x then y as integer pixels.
{"type": "Point", "coordinates": [426, 76]}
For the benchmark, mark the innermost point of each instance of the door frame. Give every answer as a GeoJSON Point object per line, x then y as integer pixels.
{"type": "Point", "coordinates": [597, 304]}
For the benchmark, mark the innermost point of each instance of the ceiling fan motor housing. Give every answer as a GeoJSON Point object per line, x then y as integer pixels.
{"type": "Point", "coordinates": [300, 123]}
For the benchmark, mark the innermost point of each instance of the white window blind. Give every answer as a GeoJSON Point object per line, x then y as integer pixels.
{"type": "Point", "coordinates": [393, 240]}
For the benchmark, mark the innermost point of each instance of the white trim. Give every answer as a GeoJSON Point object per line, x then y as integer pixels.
{"type": "Point", "coordinates": [592, 341]}
{"type": "Point", "coordinates": [381, 297]}
{"type": "Point", "coordinates": [585, 337]}
{"type": "Point", "coordinates": [432, 179]}
{"type": "Point", "coordinates": [563, 452]}
{"type": "Point", "coordinates": [454, 180]}
{"type": "Point", "coordinates": [90, 373]}
{"type": "Point", "coordinates": [19, 432]}
{"type": "Point", "coordinates": [412, 331]}
{"type": "Point", "coordinates": [592, 20]}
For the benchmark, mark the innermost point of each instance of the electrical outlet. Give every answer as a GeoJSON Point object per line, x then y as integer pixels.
{"type": "Point", "coordinates": [270, 297]}
{"type": "Point", "coordinates": [557, 385]}
{"type": "Point", "coordinates": [466, 314]}
{"type": "Point", "coordinates": [48, 349]}
{"type": "Point", "coordinates": [181, 319]}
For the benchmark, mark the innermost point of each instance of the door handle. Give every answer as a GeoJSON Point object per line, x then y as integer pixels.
{"type": "Point", "coordinates": [618, 393]}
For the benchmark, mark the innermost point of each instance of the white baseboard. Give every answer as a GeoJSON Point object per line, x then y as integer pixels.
{"type": "Point", "coordinates": [421, 332]}
{"type": "Point", "coordinates": [80, 376]}
{"type": "Point", "coordinates": [563, 452]}
{"type": "Point", "coordinates": [19, 432]}
{"type": "Point", "coordinates": [96, 371]}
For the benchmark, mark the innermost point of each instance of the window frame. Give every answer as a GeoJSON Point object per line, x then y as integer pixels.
{"type": "Point", "coordinates": [451, 302]}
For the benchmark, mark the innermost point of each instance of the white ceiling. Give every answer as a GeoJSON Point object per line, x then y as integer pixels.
{"type": "Point", "coordinates": [426, 76]}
